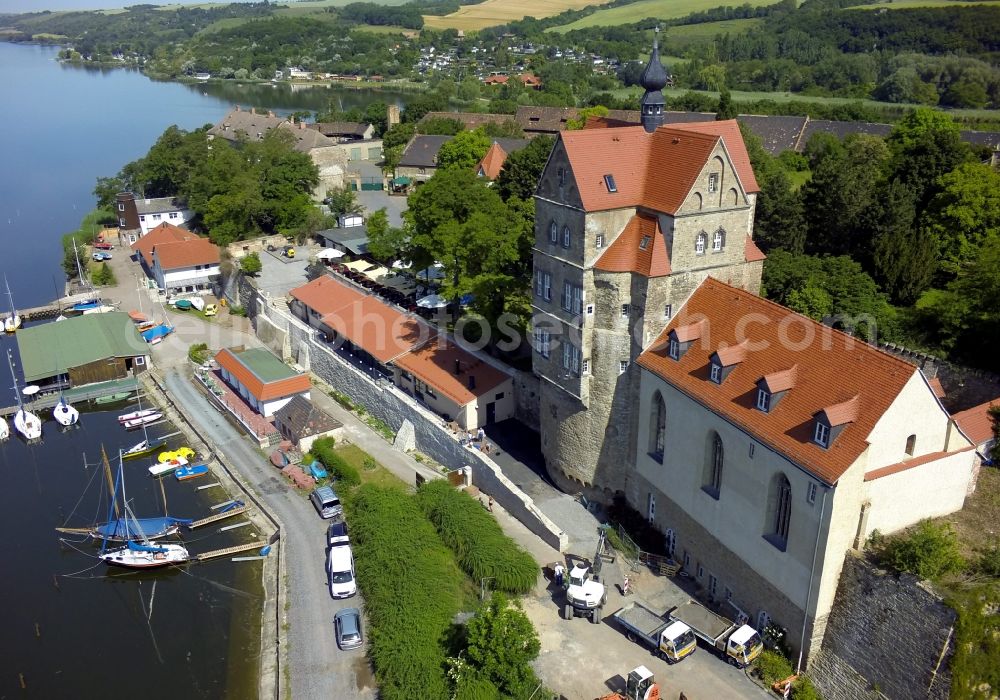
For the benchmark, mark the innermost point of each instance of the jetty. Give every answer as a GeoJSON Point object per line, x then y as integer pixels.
{"type": "Point", "coordinates": [216, 553]}
{"type": "Point", "coordinates": [216, 517]}
{"type": "Point", "coordinates": [51, 310]}
{"type": "Point", "coordinates": [87, 392]}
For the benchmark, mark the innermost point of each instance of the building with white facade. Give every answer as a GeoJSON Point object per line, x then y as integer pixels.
{"type": "Point", "coordinates": [139, 216]}
{"type": "Point", "coordinates": [178, 260]}
{"type": "Point", "coordinates": [266, 383]}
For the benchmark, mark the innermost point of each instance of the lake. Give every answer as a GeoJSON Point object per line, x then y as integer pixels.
{"type": "Point", "coordinates": [63, 126]}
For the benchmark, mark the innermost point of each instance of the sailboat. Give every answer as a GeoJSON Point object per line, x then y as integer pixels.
{"type": "Point", "coordinates": [4, 429]}
{"type": "Point", "coordinates": [139, 551]}
{"type": "Point", "coordinates": [63, 412]}
{"type": "Point", "coordinates": [93, 305]}
{"type": "Point", "coordinates": [26, 422]}
{"type": "Point", "coordinates": [145, 447]}
{"type": "Point", "coordinates": [12, 322]}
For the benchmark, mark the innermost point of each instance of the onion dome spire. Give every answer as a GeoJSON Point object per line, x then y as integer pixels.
{"type": "Point", "coordinates": [653, 79]}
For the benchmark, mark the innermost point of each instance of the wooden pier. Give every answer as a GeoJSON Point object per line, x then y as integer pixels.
{"type": "Point", "coordinates": [216, 553]}
{"type": "Point", "coordinates": [37, 313]}
{"type": "Point", "coordinates": [218, 516]}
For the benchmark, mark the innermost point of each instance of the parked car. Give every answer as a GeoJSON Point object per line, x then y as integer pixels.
{"type": "Point", "coordinates": [326, 502]}
{"type": "Point", "coordinates": [347, 624]}
{"type": "Point", "coordinates": [336, 535]}
{"type": "Point", "coordinates": [340, 567]}
{"type": "Point", "coordinates": [103, 245]}
{"type": "Point", "coordinates": [211, 309]}
{"type": "Point", "coordinates": [98, 256]}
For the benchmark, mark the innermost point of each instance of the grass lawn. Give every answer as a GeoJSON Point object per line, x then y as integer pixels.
{"type": "Point", "coordinates": [494, 12]}
{"type": "Point", "coordinates": [627, 14]}
{"type": "Point", "coordinates": [978, 523]}
{"type": "Point", "coordinates": [799, 178]}
{"type": "Point", "coordinates": [688, 35]}
{"type": "Point", "coordinates": [380, 476]}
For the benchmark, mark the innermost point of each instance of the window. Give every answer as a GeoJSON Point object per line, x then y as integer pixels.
{"type": "Point", "coordinates": [142, 217]}
{"type": "Point", "coordinates": [157, 217]}
{"type": "Point", "coordinates": [586, 366]}
{"type": "Point", "coordinates": [538, 283]}
{"type": "Point", "coordinates": [668, 311]}
{"type": "Point", "coordinates": [701, 571]}
{"type": "Point", "coordinates": [752, 447]}
{"type": "Point", "coordinates": [562, 176]}
{"type": "Point", "coordinates": [657, 427]}
{"type": "Point", "coordinates": [644, 243]}
{"type": "Point", "coordinates": [571, 358]}
{"type": "Point", "coordinates": [572, 298]}
{"type": "Point", "coordinates": [763, 620]}
{"type": "Point", "coordinates": [599, 241]}
{"type": "Point", "coordinates": [822, 435]}
{"type": "Point", "coordinates": [728, 593]}
{"type": "Point", "coordinates": [718, 239]}
{"type": "Point", "coordinates": [173, 215]}
{"type": "Point", "coordinates": [140, 360]}
{"type": "Point", "coordinates": [713, 182]}
{"type": "Point", "coordinates": [911, 445]}
{"type": "Point", "coordinates": [499, 396]}
{"type": "Point", "coordinates": [811, 492]}
{"type": "Point", "coordinates": [622, 366]}
{"type": "Point", "coordinates": [712, 476]}
{"type": "Point", "coordinates": [543, 285]}
{"type": "Point", "coordinates": [674, 349]}
{"type": "Point", "coordinates": [590, 309]}
{"type": "Point", "coordinates": [671, 541]}
{"type": "Point", "coordinates": [553, 232]}
{"type": "Point", "coordinates": [779, 504]}
{"type": "Point", "coordinates": [716, 373]}
{"type": "Point", "coordinates": [763, 400]}
{"type": "Point", "coordinates": [713, 584]}
{"type": "Point", "coordinates": [542, 342]}
{"type": "Point", "coordinates": [699, 244]}
{"type": "Point", "coordinates": [609, 182]}
{"type": "Point", "coordinates": [626, 310]}
{"type": "Point", "coordinates": [650, 506]}
{"type": "Point", "coordinates": [566, 237]}
{"type": "Point", "coordinates": [121, 222]}
{"type": "Point", "coordinates": [121, 207]}
{"type": "Point", "coordinates": [687, 559]}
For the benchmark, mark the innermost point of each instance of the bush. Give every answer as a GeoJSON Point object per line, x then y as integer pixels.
{"type": "Point", "coordinates": [237, 310]}
{"type": "Point", "coordinates": [803, 689]}
{"type": "Point", "coordinates": [771, 667]}
{"type": "Point", "coordinates": [929, 551]}
{"type": "Point", "coordinates": [198, 353]}
{"type": "Point", "coordinates": [481, 548]}
{"type": "Point", "coordinates": [250, 264]}
{"type": "Point", "coordinates": [412, 591]}
{"type": "Point", "coordinates": [989, 561]}
{"type": "Point", "coordinates": [345, 474]}
{"type": "Point", "coordinates": [103, 276]}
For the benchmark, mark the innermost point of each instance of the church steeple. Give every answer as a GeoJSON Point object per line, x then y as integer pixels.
{"type": "Point", "coordinates": [653, 79]}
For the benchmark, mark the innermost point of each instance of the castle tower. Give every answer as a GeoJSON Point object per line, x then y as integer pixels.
{"type": "Point", "coordinates": [653, 80]}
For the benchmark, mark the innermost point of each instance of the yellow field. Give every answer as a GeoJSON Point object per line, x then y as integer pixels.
{"type": "Point", "coordinates": [662, 9]}
{"type": "Point", "coordinates": [494, 12]}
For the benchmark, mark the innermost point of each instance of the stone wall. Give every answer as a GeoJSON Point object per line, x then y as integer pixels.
{"type": "Point", "coordinates": [254, 245]}
{"type": "Point", "coordinates": [888, 636]}
{"type": "Point", "coordinates": [526, 398]}
{"type": "Point", "coordinates": [964, 387]}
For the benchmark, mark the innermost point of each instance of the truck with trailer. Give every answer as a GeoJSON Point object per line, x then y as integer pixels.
{"type": "Point", "coordinates": [737, 643]}
{"type": "Point", "coordinates": [671, 640]}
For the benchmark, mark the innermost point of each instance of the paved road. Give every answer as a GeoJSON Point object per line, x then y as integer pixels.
{"type": "Point", "coordinates": [316, 667]}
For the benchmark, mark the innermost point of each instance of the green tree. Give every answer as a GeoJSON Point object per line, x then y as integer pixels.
{"type": "Point", "coordinates": [726, 108]}
{"type": "Point", "coordinates": [925, 145]}
{"type": "Point", "coordinates": [250, 264]}
{"type": "Point", "coordinates": [385, 243]}
{"type": "Point", "coordinates": [580, 120]}
{"type": "Point", "coordinates": [464, 151]}
{"type": "Point", "coordinates": [443, 126]}
{"type": "Point", "coordinates": [779, 221]}
{"type": "Point", "coordinates": [398, 135]}
{"type": "Point", "coordinates": [503, 130]}
{"type": "Point", "coordinates": [343, 200]}
{"type": "Point", "coordinates": [521, 170]}
{"type": "Point", "coordinates": [502, 643]}
{"type": "Point", "coordinates": [904, 259]}
{"type": "Point", "coordinates": [106, 189]}
{"type": "Point", "coordinates": [929, 551]}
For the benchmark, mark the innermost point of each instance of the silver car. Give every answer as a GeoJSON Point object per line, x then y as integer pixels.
{"type": "Point", "coordinates": [347, 624]}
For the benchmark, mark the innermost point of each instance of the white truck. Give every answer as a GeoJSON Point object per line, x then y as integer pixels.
{"type": "Point", "coordinates": [670, 640]}
{"type": "Point", "coordinates": [585, 596]}
{"type": "Point", "coordinates": [737, 643]}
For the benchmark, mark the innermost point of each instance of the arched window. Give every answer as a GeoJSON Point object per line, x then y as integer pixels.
{"type": "Point", "coordinates": [779, 506]}
{"type": "Point", "coordinates": [553, 232]}
{"type": "Point", "coordinates": [566, 237]}
{"type": "Point", "coordinates": [712, 477]}
{"type": "Point", "coordinates": [699, 243]}
{"type": "Point", "coordinates": [657, 427]}
{"type": "Point", "coordinates": [718, 240]}
{"type": "Point", "coordinates": [911, 445]}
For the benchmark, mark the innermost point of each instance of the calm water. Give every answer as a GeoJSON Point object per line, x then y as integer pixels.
{"type": "Point", "coordinates": [62, 127]}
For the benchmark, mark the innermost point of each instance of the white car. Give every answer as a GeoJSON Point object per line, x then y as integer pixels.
{"type": "Point", "coordinates": [340, 568]}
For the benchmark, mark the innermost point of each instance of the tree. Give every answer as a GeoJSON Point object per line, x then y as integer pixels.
{"type": "Point", "coordinates": [250, 264]}
{"type": "Point", "coordinates": [385, 243]}
{"type": "Point", "coordinates": [343, 200]}
{"type": "Point", "coordinates": [522, 169]}
{"type": "Point", "coordinates": [444, 126]}
{"type": "Point", "coordinates": [580, 120]}
{"type": "Point", "coordinates": [778, 216]}
{"type": "Point", "coordinates": [398, 135]}
{"type": "Point", "coordinates": [925, 145]}
{"type": "Point", "coordinates": [464, 151]}
{"type": "Point", "coordinates": [726, 108]}
{"type": "Point", "coordinates": [904, 259]}
{"type": "Point", "coordinates": [929, 551]}
{"type": "Point", "coordinates": [503, 130]}
{"type": "Point", "coordinates": [502, 643]}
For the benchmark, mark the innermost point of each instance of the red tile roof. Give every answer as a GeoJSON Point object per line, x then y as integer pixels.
{"type": "Point", "coordinates": [434, 363]}
{"type": "Point", "coordinates": [911, 463]}
{"type": "Point", "coordinates": [625, 254]}
{"type": "Point", "coordinates": [733, 354]}
{"type": "Point", "coordinates": [496, 80]}
{"type": "Point", "coordinates": [831, 368]}
{"type": "Point", "coordinates": [975, 422]}
{"type": "Point", "coordinates": [172, 256]}
{"type": "Point", "coordinates": [843, 412]}
{"type": "Point", "coordinates": [262, 391]}
{"type": "Point", "coordinates": [782, 380]}
{"type": "Point", "coordinates": [751, 252]}
{"type": "Point", "coordinates": [937, 387]}
{"type": "Point", "coordinates": [690, 331]}
{"type": "Point", "coordinates": [164, 233]}
{"type": "Point", "coordinates": [636, 160]}
{"type": "Point", "coordinates": [492, 163]}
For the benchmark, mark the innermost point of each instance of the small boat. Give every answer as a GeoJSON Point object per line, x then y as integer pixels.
{"type": "Point", "coordinates": [279, 459]}
{"type": "Point", "coordinates": [64, 413]}
{"type": "Point", "coordinates": [198, 303]}
{"type": "Point", "coordinates": [142, 449]}
{"type": "Point", "coordinates": [183, 304]}
{"type": "Point", "coordinates": [157, 333]}
{"type": "Point", "coordinates": [190, 472]}
{"type": "Point", "coordinates": [135, 415]}
{"type": "Point", "coordinates": [317, 470]}
{"type": "Point", "coordinates": [167, 467]}
{"type": "Point", "coordinates": [145, 326]}
{"type": "Point", "coordinates": [125, 529]}
{"type": "Point", "coordinates": [138, 317]}
{"type": "Point", "coordinates": [26, 422]}
{"type": "Point", "coordinates": [12, 322]}
{"type": "Point", "coordinates": [142, 555]}
{"type": "Point", "coordinates": [139, 422]}
{"type": "Point", "coordinates": [4, 429]}
{"type": "Point", "coordinates": [112, 398]}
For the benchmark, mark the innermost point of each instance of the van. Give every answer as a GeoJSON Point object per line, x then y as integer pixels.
{"type": "Point", "coordinates": [340, 567]}
{"type": "Point", "coordinates": [326, 502]}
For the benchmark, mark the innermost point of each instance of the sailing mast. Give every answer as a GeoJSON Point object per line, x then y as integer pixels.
{"type": "Point", "coordinates": [13, 322]}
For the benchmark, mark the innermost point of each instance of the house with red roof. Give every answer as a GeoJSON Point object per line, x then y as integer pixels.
{"type": "Point", "coordinates": [178, 260]}
{"type": "Point", "coordinates": [976, 423]}
{"type": "Point", "coordinates": [768, 445]}
{"type": "Point", "coordinates": [262, 380]}
{"type": "Point", "coordinates": [491, 164]}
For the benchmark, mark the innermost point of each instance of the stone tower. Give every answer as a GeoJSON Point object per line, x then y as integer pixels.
{"type": "Point", "coordinates": [628, 221]}
{"type": "Point", "coordinates": [653, 80]}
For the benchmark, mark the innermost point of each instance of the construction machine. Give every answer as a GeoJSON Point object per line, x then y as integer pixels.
{"type": "Point", "coordinates": [585, 594]}
{"type": "Point", "coordinates": [638, 686]}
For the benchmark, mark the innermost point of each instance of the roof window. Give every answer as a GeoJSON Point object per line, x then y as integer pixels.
{"type": "Point", "coordinates": [644, 243]}
{"type": "Point", "coordinates": [832, 420]}
{"type": "Point", "coordinates": [609, 180]}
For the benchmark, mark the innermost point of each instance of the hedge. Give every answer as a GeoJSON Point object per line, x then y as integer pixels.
{"type": "Point", "coordinates": [481, 547]}
{"type": "Point", "coordinates": [344, 473]}
{"type": "Point", "coordinates": [412, 590]}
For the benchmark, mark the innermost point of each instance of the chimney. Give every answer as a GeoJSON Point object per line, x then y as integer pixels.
{"type": "Point", "coordinates": [472, 382]}
{"type": "Point", "coordinates": [458, 367]}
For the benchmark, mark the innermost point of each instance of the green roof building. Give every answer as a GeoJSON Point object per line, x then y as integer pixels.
{"type": "Point", "coordinates": [89, 348]}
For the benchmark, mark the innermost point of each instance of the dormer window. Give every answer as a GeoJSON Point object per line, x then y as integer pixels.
{"type": "Point", "coordinates": [609, 182]}
{"type": "Point", "coordinates": [699, 244]}
{"type": "Point", "coordinates": [822, 434]}
{"type": "Point", "coordinates": [644, 243]}
{"type": "Point", "coordinates": [832, 420]}
{"type": "Point", "coordinates": [763, 400]}
{"type": "Point", "coordinates": [674, 350]}
{"type": "Point", "coordinates": [716, 373]}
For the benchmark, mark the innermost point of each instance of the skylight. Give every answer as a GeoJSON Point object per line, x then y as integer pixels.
{"type": "Point", "coordinates": [609, 180]}
{"type": "Point", "coordinates": [644, 243]}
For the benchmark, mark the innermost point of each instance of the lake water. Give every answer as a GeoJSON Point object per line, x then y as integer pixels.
{"type": "Point", "coordinates": [63, 126]}
{"type": "Point", "coordinates": [71, 627]}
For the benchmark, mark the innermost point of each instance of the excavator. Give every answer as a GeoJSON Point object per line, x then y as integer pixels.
{"type": "Point", "coordinates": [638, 686]}
{"type": "Point", "coordinates": [585, 594]}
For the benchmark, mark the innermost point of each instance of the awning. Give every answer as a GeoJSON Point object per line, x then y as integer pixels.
{"type": "Point", "coordinates": [432, 301]}
{"type": "Point", "coordinates": [401, 181]}
{"type": "Point", "coordinates": [329, 254]}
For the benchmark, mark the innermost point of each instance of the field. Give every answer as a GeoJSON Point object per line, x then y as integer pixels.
{"type": "Point", "coordinates": [685, 36]}
{"type": "Point", "coordinates": [908, 4]}
{"type": "Point", "coordinates": [494, 12]}
{"type": "Point", "coordinates": [662, 9]}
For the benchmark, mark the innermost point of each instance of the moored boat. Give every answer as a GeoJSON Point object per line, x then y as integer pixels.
{"type": "Point", "coordinates": [12, 322]}
{"type": "Point", "coordinates": [169, 467]}
{"type": "Point", "coordinates": [198, 303]}
{"type": "Point", "coordinates": [183, 304]}
{"type": "Point", "coordinates": [143, 448]}
{"type": "Point", "coordinates": [125, 529]}
{"type": "Point", "coordinates": [26, 422]}
{"type": "Point", "coordinates": [144, 420]}
{"type": "Point", "coordinates": [135, 415]}
{"type": "Point", "coordinates": [4, 429]}
{"type": "Point", "coordinates": [64, 413]}
{"type": "Point", "coordinates": [112, 398]}
{"type": "Point", "coordinates": [143, 555]}
{"type": "Point", "coordinates": [190, 472]}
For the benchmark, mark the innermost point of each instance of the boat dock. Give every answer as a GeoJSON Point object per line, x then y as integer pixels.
{"type": "Point", "coordinates": [218, 516]}
{"type": "Point", "coordinates": [216, 553]}
{"type": "Point", "coordinates": [40, 313]}
{"type": "Point", "coordinates": [84, 393]}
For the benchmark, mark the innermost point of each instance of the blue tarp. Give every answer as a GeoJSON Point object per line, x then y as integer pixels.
{"type": "Point", "coordinates": [128, 528]}
{"type": "Point", "coordinates": [136, 547]}
{"type": "Point", "coordinates": [159, 331]}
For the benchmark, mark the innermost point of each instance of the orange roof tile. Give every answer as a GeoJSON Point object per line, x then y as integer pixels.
{"type": "Point", "coordinates": [733, 354]}
{"type": "Point", "coordinates": [937, 388]}
{"type": "Point", "coordinates": [497, 80]}
{"type": "Point", "coordinates": [435, 364]}
{"type": "Point", "coordinates": [830, 367]}
{"type": "Point", "coordinates": [263, 391]}
{"type": "Point", "coordinates": [782, 380]}
{"type": "Point", "coordinates": [636, 160]}
{"type": "Point", "coordinates": [325, 295]}
{"type": "Point", "coordinates": [626, 253]}
{"type": "Point", "coordinates": [492, 163]}
{"type": "Point", "coordinates": [689, 332]}
{"type": "Point", "coordinates": [843, 412]}
{"type": "Point", "coordinates": [911, 463]}
{"type": "Point", "coordinates": [751, 252]}
{"type": "Point", "coordinates": [164, 233]}
{"type": "Point", "coordinates": [200, 251]}
{"type": "Point", "coordinates": [975, 422]}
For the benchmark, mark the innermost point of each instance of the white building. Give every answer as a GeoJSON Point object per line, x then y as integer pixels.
{"type": "Point", "coordinates": [264, 381]}
{"type": "Point", "coordinates": [178, 260]}
{"type": "Point", "coordinates": [139, 216]}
